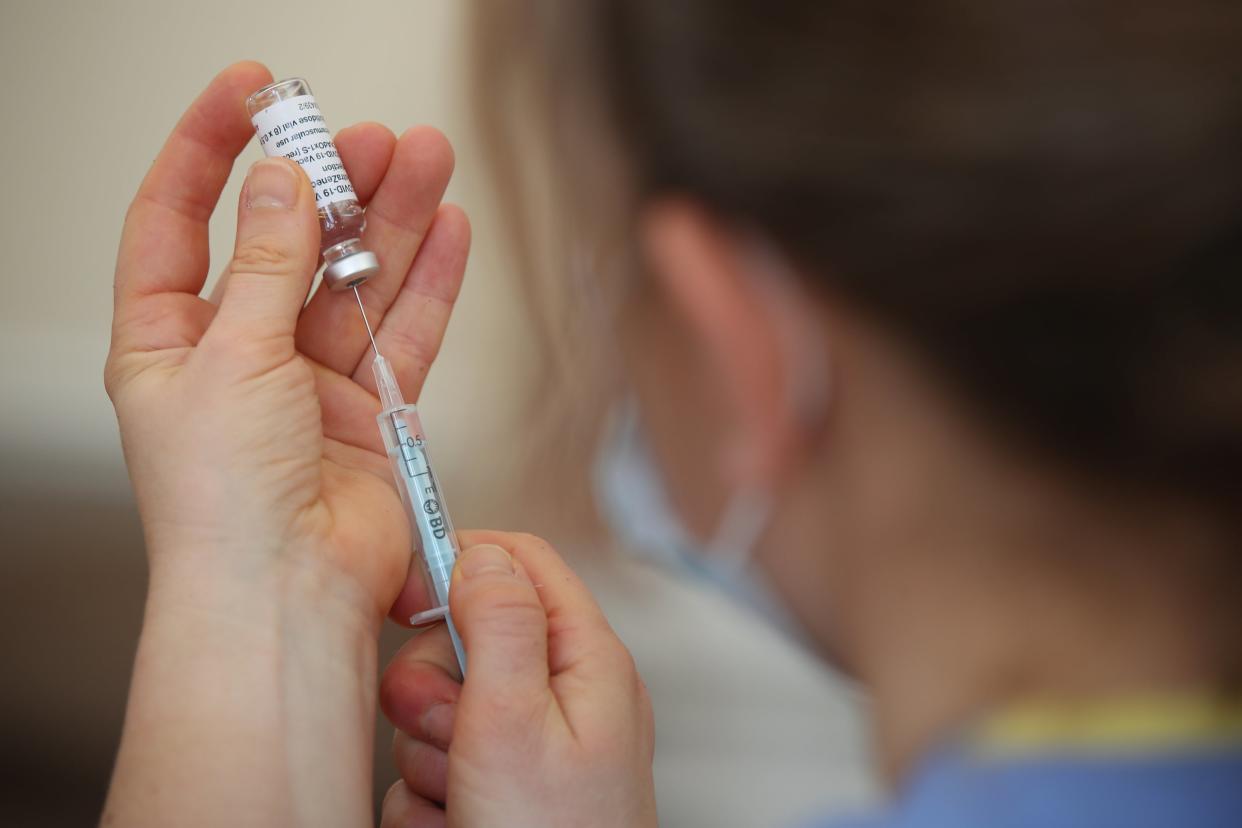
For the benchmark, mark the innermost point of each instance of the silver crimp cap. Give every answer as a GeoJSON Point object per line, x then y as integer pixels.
{"type": "Point", "coordinates": [351, 270]}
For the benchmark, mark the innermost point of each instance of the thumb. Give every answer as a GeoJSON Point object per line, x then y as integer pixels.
{"type": "Point", "coordinates": [503, 626]}
{"type": "Point", "coordinates": [275, 255]}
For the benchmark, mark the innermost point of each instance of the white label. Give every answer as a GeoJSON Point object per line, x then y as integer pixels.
{"type": "Point", "coordinates": [295, 129]}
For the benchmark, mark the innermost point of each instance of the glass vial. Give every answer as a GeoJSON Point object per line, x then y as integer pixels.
{"type": "Point", "coordinates": [287, 121]}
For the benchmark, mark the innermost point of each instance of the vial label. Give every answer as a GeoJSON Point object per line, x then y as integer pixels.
{"type": "Point", "coordinates": [295, 129]}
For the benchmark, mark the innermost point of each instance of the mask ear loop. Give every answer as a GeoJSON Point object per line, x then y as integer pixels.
{"type": "Point", "coordinates": [742, 523]}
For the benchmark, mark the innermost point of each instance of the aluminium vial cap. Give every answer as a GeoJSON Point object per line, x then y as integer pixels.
{"type": "Point", "coordinates": [349, 271]}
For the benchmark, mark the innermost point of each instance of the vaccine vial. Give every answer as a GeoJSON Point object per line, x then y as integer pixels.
{"type": "Point", "coordinates": [288, 123]}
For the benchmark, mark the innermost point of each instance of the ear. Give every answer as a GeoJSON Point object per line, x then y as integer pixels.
{"type": "Point", "coordinates": [762, 332]}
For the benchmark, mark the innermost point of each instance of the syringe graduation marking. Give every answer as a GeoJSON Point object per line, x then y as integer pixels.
{"type": "Point", "coordinates": [408, 444]}
{"type": "Point", "coordinates": [427, 494]}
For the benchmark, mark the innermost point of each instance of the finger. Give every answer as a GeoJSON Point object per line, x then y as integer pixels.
{"type": "Point", "coordinates": [398, 217]}
{"type": "Point", "coordinates": [405, 809]}
{"type": "Point", "coordinates": [164, 242]}
{"type": "Point", "coordinates": [577, 629]}
{"type": "Point", "coordinates": [348, 413]}
{"type": "Point", "coordinates": [420, 688]}
{"type": "Point", "coordinates": [413, 329]}
{"type": "Point", "coordinates": [423, 767]}
{"type": "Point", "coordinates": [163, 256]}
{"type": "Point", "coordinates": [414, 597]}
{"type": "Point", "coordinates": [504, 628]}
{"type": "Point", "coordinates": [274, 257]}
{"type": "Point", "coordinates": [366, 151]}
{"type": "Point", "coordinates": [590, 670]}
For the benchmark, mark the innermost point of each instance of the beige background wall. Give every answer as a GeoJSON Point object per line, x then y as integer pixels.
{"type": "Point", "coordinates": [91, 90]}
{"type": "Point", "coordinates": [750, 731]}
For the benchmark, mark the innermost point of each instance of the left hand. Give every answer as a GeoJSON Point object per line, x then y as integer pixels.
{"type": "Point", "coordinates": [275, 536]}
{"type": "Point", "coordinates": [249, 428]}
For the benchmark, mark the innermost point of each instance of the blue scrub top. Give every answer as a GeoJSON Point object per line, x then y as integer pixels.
{"type": "Point", "coordinates": [1135, 765]}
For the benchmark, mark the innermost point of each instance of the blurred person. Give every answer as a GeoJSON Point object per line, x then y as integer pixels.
{"type": "Point", "coordinates": [944, 297]}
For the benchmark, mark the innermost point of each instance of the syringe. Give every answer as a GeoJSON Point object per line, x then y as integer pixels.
{"type": "Point", "coordinates": [435, 542]}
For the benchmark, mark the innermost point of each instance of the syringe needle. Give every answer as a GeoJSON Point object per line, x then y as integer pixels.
{"type": "Point", "coordinates": [365, 321]}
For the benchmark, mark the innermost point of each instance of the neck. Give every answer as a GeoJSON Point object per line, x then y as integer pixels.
{"type": "Point", "coordinates": [962, 579]}
{"type": "Point", "coordinates": [968, 626]}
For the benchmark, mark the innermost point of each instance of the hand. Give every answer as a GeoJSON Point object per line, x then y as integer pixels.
{"type": "Point", "coordinates": [249, 428]}
{"type": "Point", "coordinates": [552, 726]}
{"type": "Point", "coordinates": [276, 540]}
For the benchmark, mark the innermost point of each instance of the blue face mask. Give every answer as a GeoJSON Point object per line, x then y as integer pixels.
{"type": "Point", "coordinates": [634, 502]}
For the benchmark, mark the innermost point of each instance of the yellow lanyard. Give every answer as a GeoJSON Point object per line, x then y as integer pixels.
{"type": "Point", "coordinates": [1139, 724]}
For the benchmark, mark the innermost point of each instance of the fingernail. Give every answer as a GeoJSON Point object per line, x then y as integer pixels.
{"type": "Point", "coordinates": [485, 558]}
{"type": "Point", "coordinates": [437, 723]}
{"type": "Point", "coordinates": [272, 183]}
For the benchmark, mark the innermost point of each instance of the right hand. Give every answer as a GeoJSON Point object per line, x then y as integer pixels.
{"type": "Point", "coordinates": [553, 725]}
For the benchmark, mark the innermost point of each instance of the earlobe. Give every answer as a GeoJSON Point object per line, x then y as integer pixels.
{"type": "Point", "coordinates": [747, 311]}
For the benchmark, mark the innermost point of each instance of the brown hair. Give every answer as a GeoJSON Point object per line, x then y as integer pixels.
{"type": "Point", "coordinates": [1045, 198]}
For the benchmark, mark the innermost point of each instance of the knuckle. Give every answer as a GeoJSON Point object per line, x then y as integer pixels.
{"type": "Point", "coordinates": [273, 354]}
{"type": "Point", "coordinates": [400, 743]}
{"type": "Point", "coordinates": [111, 378]}
{"type": "Point", "coordinates": [620, 662]}
{"type": "Point", "coordinates": [512, 719]}
{"type": "Point", "coordinates": [418, 343]}
{"type": "Point", "coordinates": [294, 375]}
{"type": "Point", "coordinates": [515, 543]}
{"type": "Point", "coordinates": [261, 255]}
{"type": "Point", "coordinates": [605, 755]}
{"type": "Point", "coordinates": [393, 808]}
{"type": "Point", "coordinates": [529, 539]}
{"type": "Point", "coordinates": [406, 691]}
{"type": "Point", "coordinates": [509, 605]}
{"type": "Point", "coordinates": [117, 374]}
{"type": "Point", "coordinates": [393, 790]}
{"type": "Point", "coordinates": [527, 542]}
{"type": "Point", "coordinates": [394, 689]}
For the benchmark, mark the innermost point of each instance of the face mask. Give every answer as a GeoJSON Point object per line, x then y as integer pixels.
{"type": "Point", "coordinates": [634, 502]}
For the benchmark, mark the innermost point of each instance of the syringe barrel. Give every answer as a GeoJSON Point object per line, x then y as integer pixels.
{"type": "Point", "coordinates": [435, 542]}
